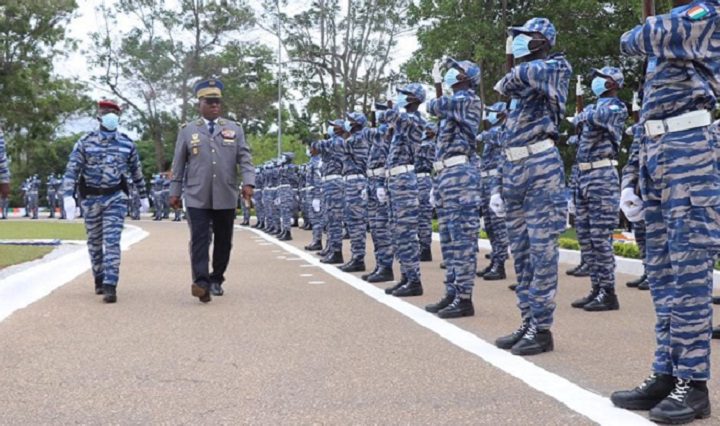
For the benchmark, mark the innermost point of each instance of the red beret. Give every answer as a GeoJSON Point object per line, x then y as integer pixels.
{"type": "Point", "coordinates": [107, 104]}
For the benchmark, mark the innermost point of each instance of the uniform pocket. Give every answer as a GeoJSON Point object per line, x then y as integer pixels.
{"type": "Point", "coordinates": [703, 220]}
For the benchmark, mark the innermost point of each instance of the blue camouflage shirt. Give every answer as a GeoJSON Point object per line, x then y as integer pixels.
{"type": "Point", "coordinates": [460, 116]}
{"type": "Point", "coordinates": [603, 125]}
{"type": "Point", "coordinates": [409, 131]}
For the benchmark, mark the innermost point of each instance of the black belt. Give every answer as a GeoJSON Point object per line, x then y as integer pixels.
{"type": "Point", "coordinates": [89, 190]}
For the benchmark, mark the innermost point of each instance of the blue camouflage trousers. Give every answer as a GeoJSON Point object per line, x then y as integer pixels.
{"type": "Point", "coordinates": [495, 228]}
{"type": "Point", "coordinates": [104, 218]}
{"type": "Point", "coordinates": [355, 215]}
{"type": "Point", "coordinates": [268, 200]}
{"type": "Point", "coordinates": [333, 202]}
{"type": "Point", "coordinates": [316, 217]}
{"type": "Point", "coordinates": [379, 218]}
{"type": "Point", "coordinates": [287, 201]}
{"type": "Point", "coordinates": [259, 205]}
{"type": "Point", "coordinates": [680, 185]}
{"type": "Point", "coordinates": [426, 211]}
{"type": "Point", "coordinates": [458, 198]}
{"type": "Point", "coordinates": [596, 204]}
{"type": "Point", "coordinates": [534, 195]}
{"type": "Point", "coordinates": [403, 195]}
{"type": "Point", "coordinates": [639, 233]}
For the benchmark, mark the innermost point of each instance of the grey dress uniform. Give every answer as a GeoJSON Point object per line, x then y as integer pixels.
{"type": "Point", "coordinates": [205, 167]}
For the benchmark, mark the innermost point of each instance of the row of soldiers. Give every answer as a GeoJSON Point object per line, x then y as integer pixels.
{"type": "Point", "coordinates": [375, 172]}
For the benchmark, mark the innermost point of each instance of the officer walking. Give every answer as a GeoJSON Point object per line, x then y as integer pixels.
{"type": "Point", "coordinates": [680, 188]}
{"type": "Point", "coordinates": [100, 165]}
{"type": "Point", "coordinates": [207, 154]}
{"type": "Point", "coordinates": [533, 180]}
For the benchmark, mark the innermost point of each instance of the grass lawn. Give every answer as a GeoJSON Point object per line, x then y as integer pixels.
{"type": "Point", "coordinates": [12, 255]}
{"type": "Point", "coordinates": [33, 230]}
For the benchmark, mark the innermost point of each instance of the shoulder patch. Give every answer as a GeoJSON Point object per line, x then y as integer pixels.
{"type": "Point", "coordinates": [698, 12]}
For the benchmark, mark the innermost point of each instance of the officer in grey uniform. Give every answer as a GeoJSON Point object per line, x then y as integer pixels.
{"type": "Point", "coordinates": [207, 154]}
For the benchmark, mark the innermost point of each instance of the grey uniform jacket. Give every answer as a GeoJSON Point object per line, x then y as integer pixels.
{"type": "Point", "coordinates": [205, 165]}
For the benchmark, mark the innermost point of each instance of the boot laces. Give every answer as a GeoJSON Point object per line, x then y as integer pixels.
{"type": "Point", "coordinates": [682, 387]}
{"type": "Point", "coordinates": [530, 333]}
{"type": "Point", "coordinates": [647, 382]}
{"type": "Point", "coordinates": [601, 296]}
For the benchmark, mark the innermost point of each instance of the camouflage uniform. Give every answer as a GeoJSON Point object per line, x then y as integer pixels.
{"type": "Point", "coordinates": [379, 210]}
{"type": "Point", "coordinates": [355, 157]}
{"type": "Point", "coordinates": [423, 169]}
{"type": "Point", "coordinates": [331, 152]}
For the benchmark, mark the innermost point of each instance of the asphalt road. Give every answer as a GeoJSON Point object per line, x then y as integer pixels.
{"type": "Point", "coordinates": [291, 344]}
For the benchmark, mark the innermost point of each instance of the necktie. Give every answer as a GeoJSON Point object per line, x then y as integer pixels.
{"type": "Point", "coordinates": [211, 126]}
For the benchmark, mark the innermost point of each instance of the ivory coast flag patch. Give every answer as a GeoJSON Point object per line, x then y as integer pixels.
{"type": "Point", "coordinates": [698, 12]}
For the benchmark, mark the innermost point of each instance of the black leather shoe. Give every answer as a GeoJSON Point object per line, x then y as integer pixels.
{"type": "Point", "coordinates": [426, 254]}
{"type": "Point", "coordinates": [202, 293]}
{"type": "Point", "coordinates": [324, 252]}
{"type": "Point", "coordinates": [488, 256]}
{"type": "Point", "coordinates": [442, 265]}
{"type": "Point", "coordinates": [644, 286]}
{"type": "Point", "coordinates": [285, 236]}
{"type": "Point", "coordinates": [580, 303]}
{"type": "Point", "coordinates": [314, 246]}
{"type": "Point", "coordinates": [604, 301]}
{"type": "Point", "coordinates": [534, 342]}
{"type": "Point", "coordinates": [365, 276]}
{"type": "Point", "coordinates": [512, 286]}
{"type": "Point", "coordinates": [109, 293]}
{"type": "Point", "coordinates": [99, 285]}
{"type": "Point", "coordinates": [716, 333]}
{"type": "Point", "coordinates": [441, 304]}
{"type": "Point", "coordinates": [307, 226]}
{"type": "Point", "coordinates": [635, 283]}
{"type": "Point", "coordinates": [507, 342]}
{"type": "Point", "coordinates": [402, 282]}
{"type": "Point", "coordinates": [484, 271]}
{"type": "Point", "coordinates": [688, 401]}
{"type": "Point", "coordinates": [334, 258]}
{"type": "Point", "coordinates": [412, 288]}
{"type": "Point", "coordinates": [716, 300]}
{"type": "Point", "coordinates": [572, 271]}
{"type": "Point", "coordinates": [382, 275]}
{"type": "Point", "coordinates": [457, 309]}
{"type": "Point", "coordinates": [644, 397]}
{"type": "Point", "coordinates": [216, 289]}
{"type": "Point", "coordinates": [244, 222]}
{"type": "Point", "coordinates": [496, 273]}
{"type": "Point", "coordinates": [582, 271]}
{"type": "Point", "coordinates": [354, 265]}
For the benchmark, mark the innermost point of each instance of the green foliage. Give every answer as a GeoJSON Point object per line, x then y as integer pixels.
{"type": "Point", "coordinates": [13, 255]}
{"type": "Point", "coordinates": [264, 147]}
{"type": "Point", "coordinates": [568, 244]}
{"type": "Point", "coordinates": [628, 250]}
{"type": "Point", "coordinates": [36, 230]}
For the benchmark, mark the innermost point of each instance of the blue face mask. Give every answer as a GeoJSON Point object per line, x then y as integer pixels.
{"type": "Point", "coordinates": [347, 126]}
{"type": "Point", "coordinates": [521, 45]}
{"type": "Point", "coordinates": [110, 121]}
{"type": "Point", "coordinates": [598, 86]}
{"type": "Point", "coordinates": [401, 100]}
{"type": "Point", "coordinates": [514, 104]}
{"type": "Point", "coordinates": [492, 118]}
{"type": "Point", "coordinates": [331, 131]}
{"type": "Point", "coordinates": [451, 78]}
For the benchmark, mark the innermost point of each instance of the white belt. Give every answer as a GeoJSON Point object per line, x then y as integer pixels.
{"type": "Point", "coordinates": [597, 165]}
{"type": "Point", "coordinates": [331, 177]}
{"type": "Point", "coordinates": [353, 177]}
{"type": "Point", "coordinates": [492, 172]}
{"type": "Point", "coordinates": [284, 186]}
{"type": "Point", "coordinates": [379, 172]}
{"type": "Point", "coordinates": [687, 121]}
{"type": "Point", "coordinates": [400, 170]}
{"type": "Point", "coordinates": [308, 188]}
{"type": "Point", "coordinates": [450, 162]}
{"type": "Point", "coordinates": [521, 152]}
{"type": "Point", "coordinates": [423, 175]}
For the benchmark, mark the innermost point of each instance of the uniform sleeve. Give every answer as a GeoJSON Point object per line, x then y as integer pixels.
{"type": "Point", "coordinates": [691, 35]}
{"type": "Point", "coordinates": [73, 169]}
{"type": "Point", "coordinates": [4, 169]}
{"type": "Point", "coordinates": [549, 77]}
{"type": "Point", "coordinates": [178, 165]}
{"type": "Point", "coordinates": [438, 107]}
{"type": "Point", "coordinates": [136, 172]}
{"type": "Point", "coordinates": [631, 171]}
{"type": "Point", "coordinates": [610, 117]}
{"type": "Point", "coordinates": [244, 159]}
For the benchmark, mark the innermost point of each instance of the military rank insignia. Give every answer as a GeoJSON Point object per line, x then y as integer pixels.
{"type": "Point", "coordinates": [698, 12]}
{"type": "Point", "coordinates": [195, 144]}
{"type": "Point", "coordinates": [228, 136]}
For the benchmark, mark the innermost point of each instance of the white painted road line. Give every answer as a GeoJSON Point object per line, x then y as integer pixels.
{"type": "Point", "coordinates": [316, 282]}
{"type": "Point", "coordinates": [306, 275]}
{"type": "Point", "coordinates": [591, 405]}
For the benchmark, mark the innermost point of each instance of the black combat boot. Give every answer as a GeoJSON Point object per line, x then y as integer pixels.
{"type": "Point", "coordinates": [635, 283]}
{"type": "Point", "coordinates": [484, 271]}
{"type": "Point", "coordinates": [582, 271]}
{"type": "Point", "coordinates": [572, 271]}
{"type": "Point", "coordinates": [512, 287]}
{"type": "Point", "coordinates": [109, 293]}
{"type": "Point", "coordinates": [356, 264]}
{"type": "Point", "coordinates": [644, 397]}
{"type": "Point", "coordinates": [216, 289]}
{"type": "Point", "coordinates": [426, 254]}
{"type": "Point", "coordinates": [314, 246]}
{"type": "Point", "coordinates": [606, 300]}
{"type": "Point", "coordinates": [442, 265]}
{"type": "Point", "coordinates": [644, 286]}
{"type": "Point", "coordinates": [365, 276]}
{"type": "Point", "coordinates": [99, 285]}
{"type": "Point", "coordinates": [716, 333]}
{"type": "Point", "coordinates": [285, 235]}
{"type": "Point", "coordinates": [580, 303]}
{"type": "Point", "coordinates": [507, 342]}
{"type": "Point", "coordinates": [382, 275]}
{"type": "Point", "coordinates": [441, 304]}
{"type": "Point", "coordinates": [295, 222]}
{"type": "Point", "coordinates": [716, 300]}
{"type": "Point", "coordinates": [488, 256]}
{"type": "Point", "coordinates": [496, 272]}
{"type": "Point", "coordinates": [243, 223]}
{"type": "Point", "coordinates": [333, 258]}
{"type": "Point", "coordinates": [412, 288]}
{"type": "Point", "coordinates": [458, 308]}
{"type": "Point", "coordinates": [689, 400]}
{"type": "Point", "coordinates": [534, 342]}
{"type": "Point", "coordinates": [402, 282]}
{"type": "Point", "coordinates": [324, 252]}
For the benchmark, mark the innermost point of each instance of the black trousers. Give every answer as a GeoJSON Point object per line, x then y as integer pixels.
{"type": "Point", "coordinates": [206, 225]}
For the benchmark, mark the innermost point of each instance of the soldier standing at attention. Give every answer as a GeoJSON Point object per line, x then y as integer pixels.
{"type": "Point", "coordinates": [101, 164]}
{"type": "Point", "coordinates": [4, 176]}
{"type": "Point", "coordinates": [207, 154]}
{"type": "Point", "coordinates": [680, 188]}
{"type": "Point", "coordinates": [423, 170]}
